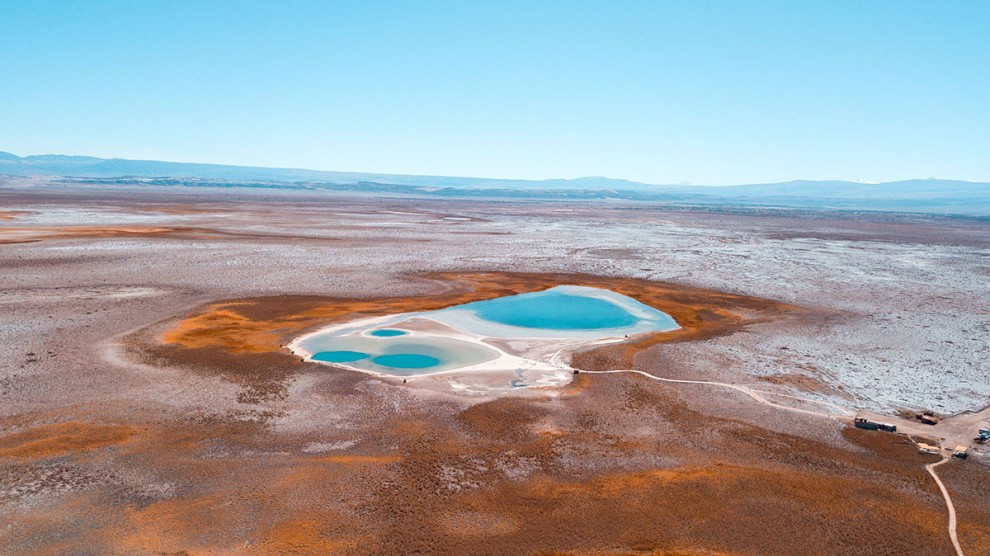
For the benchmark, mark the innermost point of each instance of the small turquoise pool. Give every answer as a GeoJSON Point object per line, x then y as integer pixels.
{"type": "Point", "coordinates": [342, 356]}
{"type": "Point", "coordinates": [387, 332]}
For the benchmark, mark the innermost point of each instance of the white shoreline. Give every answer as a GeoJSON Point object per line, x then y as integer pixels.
{"type": "Point", "coordinates": [505, 362]}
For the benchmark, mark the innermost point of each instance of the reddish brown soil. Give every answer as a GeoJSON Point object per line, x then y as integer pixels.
{"type": "Point", "coordinates": [12, 214]}
{"type": "Point", "coordinates": [969, 487]}
{"type": "Point", "coordinates": [803, 382]}
{"type": "Point", "coordinates": [62, 439]}
{"type": "Point", "coordinates": [25, 234]}
{"type": "Point", "coordinates": [42, 233]}
{"type": "Point", "coordinates": [743, 491]}
{"type": "Point", "coordinates": [617, 464]}
{"type": "Point", "coordinates": [243, 339]}
{"type": "Point", "coordinates": [258, 325]}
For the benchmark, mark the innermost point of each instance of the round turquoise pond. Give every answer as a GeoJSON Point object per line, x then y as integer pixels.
{"type": "Point", "coordinates": [339, 356]}
{"type": "Point", "coordinates": [387, 332]}
{"type": "Point", "coordinates": [406, 361]}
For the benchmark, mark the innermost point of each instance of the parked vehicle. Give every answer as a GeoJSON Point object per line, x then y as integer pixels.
{"type": "Point", "coordinates": [927, 418]}
{"type": "Point", "coordinates": [866, 424]}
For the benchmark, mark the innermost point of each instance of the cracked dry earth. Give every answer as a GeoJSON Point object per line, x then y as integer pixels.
{"type": "Point", "coordinates": [147, 406]}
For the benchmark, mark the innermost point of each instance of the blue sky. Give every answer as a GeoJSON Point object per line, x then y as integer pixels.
{"type": "Point", "coordinates": [662, 92]}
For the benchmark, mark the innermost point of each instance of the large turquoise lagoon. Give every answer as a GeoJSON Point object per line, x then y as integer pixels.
{"type": "Point", "coordinates": [556, 313]}
{"type": "Point", "coordinates": [468, 333]}
{"type": "Point", "coordinates": [553, 310]}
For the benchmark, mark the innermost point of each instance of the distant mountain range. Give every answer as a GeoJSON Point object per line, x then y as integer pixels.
{"type": "Point", "coordinates": [927, 195]}
{"type": "Point", "coordinates": [91, 167]}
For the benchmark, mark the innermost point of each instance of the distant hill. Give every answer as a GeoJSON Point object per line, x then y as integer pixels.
{"type": "Point", "coordinates": [927, 195]}
{"type": "Point", "coordinates": [91, 167]}
{"type": "Point", "coordinates": [909, 189]}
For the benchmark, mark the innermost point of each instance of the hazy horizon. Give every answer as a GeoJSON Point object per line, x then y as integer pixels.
{"type": "Point", "coordinates": [492, 178]}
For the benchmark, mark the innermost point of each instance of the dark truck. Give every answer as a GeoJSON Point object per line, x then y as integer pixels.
{"type": "Point", "coordinates": [864, 423]}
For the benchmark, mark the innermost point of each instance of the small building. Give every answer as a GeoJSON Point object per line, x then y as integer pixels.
{"type": "Point", "coordinates": [960, 452]}
{"type": "Point", "coordinates": [927, 449]}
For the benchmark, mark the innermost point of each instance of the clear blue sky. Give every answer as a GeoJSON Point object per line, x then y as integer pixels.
{"type": "Point", "coordinates": [662, 92]}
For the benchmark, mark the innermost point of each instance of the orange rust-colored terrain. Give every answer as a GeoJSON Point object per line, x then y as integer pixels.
{"type": "Point", "coordinates": [13, 234]}
{"type": "Point", "coordinates": [29, 234]}
{"type": "Point", "coordinates": [264, 324]}
{"type": "Point", "coordinates": [318, 460]}
{"type": "Point", "coordinates": [243, 339]}
{"type": "Point", "coordinates": [12, 214]}
{"type": "Point", "coordinates": [515, 475]}
{"type": "Point", "coordinates": [62, 439]}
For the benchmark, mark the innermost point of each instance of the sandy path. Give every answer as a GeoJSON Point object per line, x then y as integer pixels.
{"type": "Point", "coordinates": [752, 393]}
{"type": "Point", "coordinates": [948, 502]}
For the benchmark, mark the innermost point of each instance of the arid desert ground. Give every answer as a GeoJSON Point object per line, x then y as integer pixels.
{"type": "Point", "coordinates": [148, 404]}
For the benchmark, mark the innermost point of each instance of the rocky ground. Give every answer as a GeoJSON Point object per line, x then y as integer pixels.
{"type": "Point", "coordinates": [119, 433]}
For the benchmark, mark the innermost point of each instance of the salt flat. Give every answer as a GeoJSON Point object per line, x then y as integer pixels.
{"type": "Point", "coordinates": [108, 424]}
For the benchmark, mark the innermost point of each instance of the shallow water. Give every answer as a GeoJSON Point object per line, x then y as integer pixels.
{"type": "Point", "coordinates": [406, 361]}
{"type": "Point", "coordinates": [397, 355]}
{"type": "Point", "coordinates": [339, 356]}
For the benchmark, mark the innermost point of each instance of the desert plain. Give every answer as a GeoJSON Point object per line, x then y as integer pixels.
{"type": "Point", "coordinates": [148, 404]}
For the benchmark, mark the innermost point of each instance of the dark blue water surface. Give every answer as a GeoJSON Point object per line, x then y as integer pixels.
{"type": "Point", "coordinates": [553, 310]}
{"type": "Point", "coordinates": [387, 332]}
{"type": "Point", "coordinates": [340, 356]}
